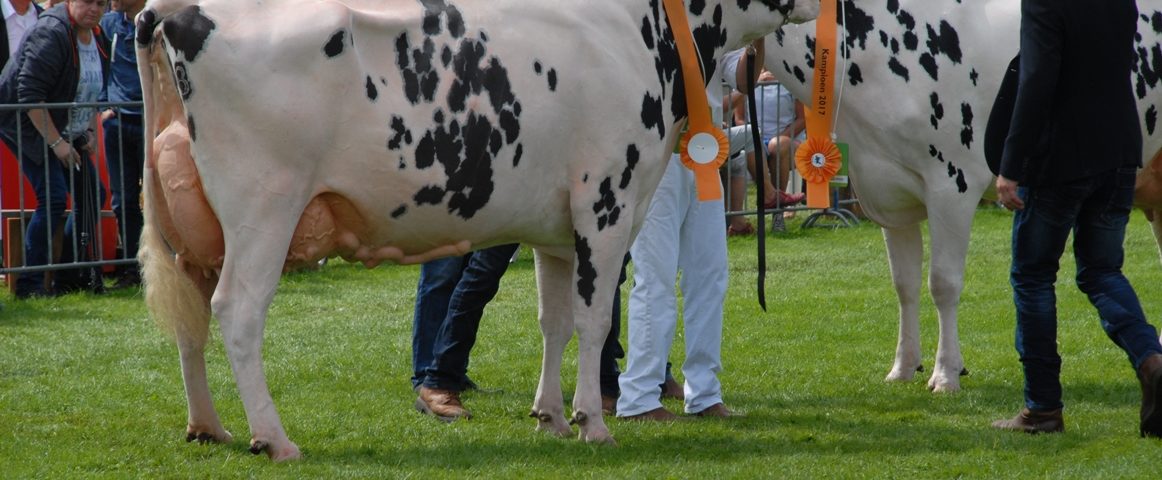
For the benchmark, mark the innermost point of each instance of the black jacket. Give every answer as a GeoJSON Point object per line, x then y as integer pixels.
{"type": "Point", "coordinates": [1075, 113]}
{"type": "Point", "coordinates": [4, 36]}
{"type": "Point", "coordinates": [46, 70]}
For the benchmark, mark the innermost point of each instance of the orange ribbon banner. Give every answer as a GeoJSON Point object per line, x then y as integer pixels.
{"type": "Point", "coordinates": [818, 159]}
{"type": "Point", "coordinates": [703, 147]}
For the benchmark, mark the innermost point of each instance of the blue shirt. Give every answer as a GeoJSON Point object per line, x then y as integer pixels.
{"type": "Point", "coordinates": [124, 83]}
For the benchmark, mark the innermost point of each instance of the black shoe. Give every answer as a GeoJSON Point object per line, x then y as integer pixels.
{"type": "Point", "coordinates": [1150, 376]}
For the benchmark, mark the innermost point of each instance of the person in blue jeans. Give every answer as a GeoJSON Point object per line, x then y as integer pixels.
{"type": "Point", "coordinates": [1070, 159]}
{"type": "Point", "coordinates": [450, 300]}
{"type": "Point", "coordinates": [124, 137]}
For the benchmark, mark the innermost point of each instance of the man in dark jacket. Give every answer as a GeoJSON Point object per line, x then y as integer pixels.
{"type": "Point", "coordinates": [63, 54]}
{"type": "Point", "coordinates": [1071, 155]}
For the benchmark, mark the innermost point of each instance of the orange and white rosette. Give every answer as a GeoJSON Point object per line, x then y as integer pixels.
{"type": "Point", "coordinates": [818, 160]}
{"type": "Point", "coordinates": [703, 147]}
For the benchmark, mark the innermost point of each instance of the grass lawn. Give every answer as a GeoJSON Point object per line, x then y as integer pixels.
{"type": "Point", "coordinates": [89, 387]}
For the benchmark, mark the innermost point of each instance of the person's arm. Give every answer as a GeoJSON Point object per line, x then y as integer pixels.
{"type": "Point", "coordinates": [798, 124]}
{"type": "Point", "coordinates": [60, 146]}
{"type": "Point", "coordinates": [740, 75]}
{"type": "Point", "coordinates": [1042, 38]}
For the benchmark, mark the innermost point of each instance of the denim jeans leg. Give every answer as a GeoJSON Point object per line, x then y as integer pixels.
{"type": "Point", "coordinates": [51, 188]}
{"type": "Point", "coordinates": [453, 344]}
{"type": "Point", "coordinates": [612, 350]}
{"type": "Point", "coordinates": [123, 152]}
{"type": "Point", "coordinates": [438, 278]}
{"type": "Point", "coordinates": [1040, 231]}
{"type": "Point", "coordinates": [1097, 247]}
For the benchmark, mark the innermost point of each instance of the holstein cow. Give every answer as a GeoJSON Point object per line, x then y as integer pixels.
{"type": "Point", "coordinates": [401, 131]}
{"type": "Point", "coordinates": [921, 77]}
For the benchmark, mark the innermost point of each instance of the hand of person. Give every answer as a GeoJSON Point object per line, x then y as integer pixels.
{"type": "Point", "coordinates": [106, 114]}
{"type": "Point", "coordinates": [1007, 194]}
{"type": "Point", "coordinates": [65, 153]}
{"type": "Point", "coordinates": [91, 140]}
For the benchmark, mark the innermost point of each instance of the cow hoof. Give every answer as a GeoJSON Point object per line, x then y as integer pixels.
{"type": "Point", "coordinates": [546, 422]}
{"type": "Point", "coordinates": [579, 418]}
{"type": "Point", "coordinates": [601, 438]}
{"type": "Point", "coordinates": [942, 385]}
{"type": "Point", "coordinates": [290, 451]}
{"type": "Point", "coordinates": [900, 374]}
{"type": "Point", "coordinates": [203, 436]}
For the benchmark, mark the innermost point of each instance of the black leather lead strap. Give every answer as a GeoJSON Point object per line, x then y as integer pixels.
{"type": "Point", "coordinates": [760, 155]}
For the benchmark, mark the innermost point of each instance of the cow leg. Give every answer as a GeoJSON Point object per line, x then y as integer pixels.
{"type": "Point", "coordinates": [905, 257]}
{"type": "Point", "coordinates": [948, 232]}
{"type": "Point", "coordinates": [592, 307]}
{"type": "Point", "coordinates": [555, 308]}
{"type": "Point", "coordinates": [250, 274]}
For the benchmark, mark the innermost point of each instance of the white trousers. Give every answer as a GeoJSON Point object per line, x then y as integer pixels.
{"type": "Point", "coordinates": [679, 234]}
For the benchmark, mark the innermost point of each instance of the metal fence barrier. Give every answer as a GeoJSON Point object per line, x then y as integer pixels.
{"type": "Point", "coordinates": [18, 201]}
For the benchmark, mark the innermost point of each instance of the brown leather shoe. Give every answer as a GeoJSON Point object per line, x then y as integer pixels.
{"type": "Point", "coordinates": [659, 414]}
{"type": "Point", "coordinates": [1150, 375]}
{"type": "Point", "coordinates": [672, 389]}
{"type": "Point", "coordinates": [608, 405]}
{"type": "Point", "coordinates": [1032, 421]}
{"type": "Point", "coordinates": [718, 410]}
{"type": "Point", "coordinates": [443, 404]}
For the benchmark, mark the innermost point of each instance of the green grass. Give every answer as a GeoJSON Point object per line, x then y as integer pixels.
{"type": "Point", "coordinates": [90, 388]}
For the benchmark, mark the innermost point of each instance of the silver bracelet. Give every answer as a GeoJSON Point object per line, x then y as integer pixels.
{"type": "Point", "coordinates": [57, 142]}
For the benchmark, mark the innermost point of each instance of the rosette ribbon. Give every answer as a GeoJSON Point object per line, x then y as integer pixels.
{"type": "Point", "coordinates": [818, 160]}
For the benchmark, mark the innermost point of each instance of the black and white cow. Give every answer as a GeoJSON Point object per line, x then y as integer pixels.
{"type": "Point", "coordinates": [921, 77]}
{"type": "Point", "coordinates": [401, 131]}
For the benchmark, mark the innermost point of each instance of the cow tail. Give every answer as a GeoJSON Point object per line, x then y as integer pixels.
{"type": "Point", "coordinates": [176, 303]}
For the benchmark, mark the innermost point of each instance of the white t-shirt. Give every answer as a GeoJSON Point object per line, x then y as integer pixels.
{"type": "Point", "coordinates": [776, 108]}
{"type": "Point", "coordinates": [88, 89]}
{"type": "Point", "coordinates": [18, 25]}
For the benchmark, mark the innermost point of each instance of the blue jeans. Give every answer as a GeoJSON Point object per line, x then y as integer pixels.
{"type": "Point", "coordinates": [52, 186]}
{"type": "Point", "coordinates": [1096, 210]}
{"type": "Point", "coordinates": [450, 300]}
{"type": "Point", "coordinates": [124, 150]}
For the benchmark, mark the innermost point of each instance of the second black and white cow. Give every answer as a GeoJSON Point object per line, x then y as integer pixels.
{"type": "Point", "coordinates": [921, 77]}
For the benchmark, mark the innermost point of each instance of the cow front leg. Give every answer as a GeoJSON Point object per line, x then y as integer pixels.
{"type": "Point", "coordinates": [554, 311]}
{"type": "Point", "coordinates": [948, 231]}
{"type": "Point", "coordinates": [245, 291]}
{"type": "Point", "coordinates": [905, 257]}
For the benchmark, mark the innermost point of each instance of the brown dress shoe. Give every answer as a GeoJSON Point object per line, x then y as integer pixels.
{"type": "Point", "coordinates": [608, 405]}
{"type": "Point", "coordinates": [1032, 421]}
{"type": "Point", "coordinates": [718, 410]}
{"type": "Point", "coordinates": [1150, 375]}
{"type": "Point", "coordinates": [659, 414]}
{"type": "Point", "coordinates": [443, 404]}
{"type": "Point", "coordinates": [672, 389]}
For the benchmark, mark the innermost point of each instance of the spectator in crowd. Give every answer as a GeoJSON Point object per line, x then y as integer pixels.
{"type": "Point", "coordinates": [1063, 172]}
{"type": "Point", "coordinates": [124, 137]}
{"type": "Point", "coordinates": [19, 17]}
{"type": "Point", "coordinates": [680, 233]}
{"type": "Point", "coordinates": [62, 59]}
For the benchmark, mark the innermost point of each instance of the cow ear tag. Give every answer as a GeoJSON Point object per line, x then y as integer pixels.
{"type": "Point", "coordinates": [704, 147]}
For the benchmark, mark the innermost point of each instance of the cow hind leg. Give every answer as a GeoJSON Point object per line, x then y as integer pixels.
{"type": "Point", "coordinates": [183, 309]}
{"type": "Point", "coordinates": [591, 317]}
{"type": "Point", "coordinates": [555, 312]}
{"type": "Point", "coordinates": [905, 257]}
{"type": "Point", "coordinates": [949, 233]}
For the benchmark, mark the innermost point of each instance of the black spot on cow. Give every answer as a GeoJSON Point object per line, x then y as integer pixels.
{"type": "Point", "coordinates": [1156, 21]}
{"type": "Point", "coordinates": [429, 195]}
{"type": "Point", "coordinates": [884, 38]}
{"type": "Point", "coordinates": [958, 174]}
{"type": "Point", "coordinates": [182, 79]}
{"type": "Point", "coordinates": [932, 150]}
{"type": "Point", "coordinates": [697, 6]}
{"type": "Point", "coordinates": [438, 117]}
{"type": "Point", "coordinates": [937, 110]}
{"type": "Point", "coordinates": [190, 126]}
{"type": "Point", "coordinates": [334, 46]}
{"type": "Point", "coordinates": [898, 68]}
{"type": "Point", "coordinates": [537, 67]}
{"type": "Point", "coordinates": [1151, 119]}
{"type": "Point", "coordinates": [652, 114]}
{"type": "Point", "coordinates": [929, 63]}
{"type": "Point", "coordinates": [585, 178]}
{"type": "Point", "coordinates": [552, 76]}
{"type": "Point", "coordinates": [894, 46]}
{"type": "Point", "coordinates": [893, 6]}
{"type": "Point", "coordinates": [372, 92]}
{"type": "Point", "coordinates": [520, 151]}
{"type": "Point", "coordinates": [906, 20]}
{"type": "Point", "coordinates": [415, 65]}
{"type": "Point", "coordinates": [446, 56]}
{"type": "Point", "coordinates": [854, 74]}
{"type": "Point", "coordinates": [647, 33]}
{"type": "Point", "coordinates": [911, 41]}
{"type": "Point", "coordinates": [606, 207]}
{"type": "Point", "coordinates": [857, 23]}
{"type": "Point", "coordinates": [974, 77]}
{"type": "Point", "coordinates": [966, 132]}
{"type": "Point", "coordinates": [400, 134]}
{"type": "Point", "coordinates": [399, 211]}
{"type": "Point", "coordinates": [632, 156]}
{"type": "Point", "coordinates": [586, 274]}
{"type": "Point", "coordinates": [187, 31]}
{"type": "Point", "coordinates": [946, 42]}
{"type": "Point", "coordinates": [796, 72]}
{"type": "Point", "coordinates": [146, 22]}
{"type": "Point", "coordinates": [435, 10]}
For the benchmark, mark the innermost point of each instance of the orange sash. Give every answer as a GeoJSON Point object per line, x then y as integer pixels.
{"type": "Point", "coordinates": [818, 159]}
